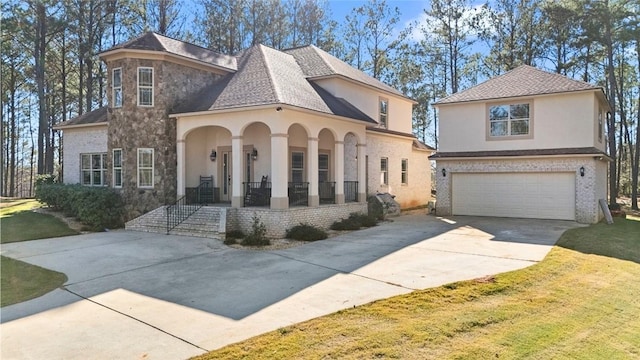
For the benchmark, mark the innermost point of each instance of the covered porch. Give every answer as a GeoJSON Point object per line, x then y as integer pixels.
{"type": "Point", "coordinates": [274, 157]}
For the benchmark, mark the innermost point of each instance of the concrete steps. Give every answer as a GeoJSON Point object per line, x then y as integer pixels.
{"type": "Point", "coordinates": [208, 222]}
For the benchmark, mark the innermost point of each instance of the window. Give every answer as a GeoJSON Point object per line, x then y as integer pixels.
{"type": "Point", "coordinates": [600, 126]}
{"type": "Point", "coordinates": [145, 168]}
{"type": "Point", "coordinates": [297, 167]}
{"type": "Point", "coordinates": [384, 171]}
{"type": "Point", "coordinates": [404, 177]}
{"type": "Point", "coordinates": [384, 110]}
{"type": "Point", "coordinates": [145, 86]}
{"type": "Point", "coordinates": [323, 167]}
{"type": "Point", "coordinates": [116, 85]}
{"type": "Point", "coordinates": [93, 168]}
{"type": "Point", "coordinates": [117, 168]}
{"type": "Point", "coordinates": [509, 120]}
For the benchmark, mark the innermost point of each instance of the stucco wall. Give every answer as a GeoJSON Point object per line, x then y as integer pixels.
{"type": "Point", "coordinates": [559, 121]}
{"type": "Point", "coordinates": [418, 190]}
{"type": "Point", "coordinates": [588, 188]}
{"type": "Point", "coordinates": [81, 141]}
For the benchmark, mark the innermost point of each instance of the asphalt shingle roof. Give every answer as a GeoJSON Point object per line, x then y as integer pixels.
{"type": "Point", "coordinates": [96, 116]}
{"type": "Point", "coordinates": [156, 42]}
{"type": "Point", "coordinates": [522, 81]}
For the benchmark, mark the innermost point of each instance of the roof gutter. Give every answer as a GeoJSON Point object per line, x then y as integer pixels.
{"type": "Point", "coordinates": [65, 127]}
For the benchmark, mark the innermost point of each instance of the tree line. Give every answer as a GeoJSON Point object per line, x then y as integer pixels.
{"type": "Point", "coordinates": [51, 72]}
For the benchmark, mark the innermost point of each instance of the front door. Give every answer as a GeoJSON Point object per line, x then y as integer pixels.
{"type": "Point", "coordinates": [226, 177]}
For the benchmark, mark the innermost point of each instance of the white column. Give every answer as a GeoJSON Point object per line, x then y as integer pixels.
{"type": "Point", "coordinates": [181, 171]}
{"type": "Point", "coordinates": [279, 171]}
{"type": "Point", "coordinates": [339, 168]}
{"type": "Point", "coordinates": [362, 172]}
{"type": "Point", "coordinates": [312, 172]}
{"type": "Point", "coordinates": [236, 172]}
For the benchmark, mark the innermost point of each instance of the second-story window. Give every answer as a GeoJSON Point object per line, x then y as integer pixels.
{"type": "Point", "coordinates": [384, 112]}
{"type": "Point", "coordinates": [145, 86]}
{"type": "Point", "coordinates": [509, 120]}
{"type": "Point", "coordinates": [600, 126]}
{"type": "Point", "coordinates": [117, 87]}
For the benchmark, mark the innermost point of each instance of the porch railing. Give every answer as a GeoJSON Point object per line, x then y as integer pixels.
{"type": "Point", "coordinates": [180, 210]}
{"type": "Point", "coordinates": [298, 194]}
{"type": "Point", "coordinates": [327, 192]}
{"type": "Point", "coordinates": [205, 195]}
{"type": "Point", "coordinates": [257, 193]}
{"type": "Point", "coordinates": [350, 191]}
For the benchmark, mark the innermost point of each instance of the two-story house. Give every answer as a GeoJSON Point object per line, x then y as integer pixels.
{"type": "Point", "coordinates": [526, 144]}
{"type": "Point", "coordinates": [292, 136]}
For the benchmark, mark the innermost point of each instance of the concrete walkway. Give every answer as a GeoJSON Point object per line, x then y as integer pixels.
{"type": "Point", "coordinates": [146, 296]}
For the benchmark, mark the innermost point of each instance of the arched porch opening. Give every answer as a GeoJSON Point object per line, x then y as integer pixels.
{"type": "Point", "coordinates": [350, 167]}
{"type": "Point", "coordinates": [301, 163]}
{"type": "Point", "coordinates": [326, 167]}
{"type": "Point", "coordinates": [255, 170]}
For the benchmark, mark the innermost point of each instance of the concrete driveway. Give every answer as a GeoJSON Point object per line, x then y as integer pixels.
{"type": "Point", "coordinates": [134, 295]}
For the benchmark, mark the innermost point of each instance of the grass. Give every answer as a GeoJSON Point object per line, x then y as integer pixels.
{"type": "Point", "coordinates": [17, 222]}
{"type": "Point", "coordinates": [21, 281]}
{"type": "Point", "coordinates": [582, 301]}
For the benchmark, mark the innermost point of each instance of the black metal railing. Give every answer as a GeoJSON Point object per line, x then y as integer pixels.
{"type": "Point", "coordinates": [327, 192]}
{"type": "Point", "coordinates": [257, 193]}
{"type": "Point", "coordinates": [298, 193]}
{"type": "Point", "coordinates": [180, 210]}
{"type": "Point", "coordinates": [207, 195]}
{"type": "Point", "coordinates": [350, 191]}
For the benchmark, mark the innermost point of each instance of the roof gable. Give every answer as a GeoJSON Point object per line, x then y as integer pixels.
{"type": "Point", "coordinates": [94, 117]}
{"type": "Point", "coordinates": [522, 81]}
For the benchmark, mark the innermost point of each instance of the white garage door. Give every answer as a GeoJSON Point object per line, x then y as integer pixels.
{"type": "Point", "coordinates": [525, 195]}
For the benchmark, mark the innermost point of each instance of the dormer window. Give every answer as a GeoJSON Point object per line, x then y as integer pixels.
{"type": "Point", "coordinates": [116, 85]}
{"type": "Point", "coordinates": [384, 113]}
{"type": "Point", "coordinates": [145, 86]}
{"type": "Point", "coordinates": [509, 120]}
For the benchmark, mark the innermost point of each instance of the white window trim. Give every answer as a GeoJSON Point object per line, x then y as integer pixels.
{"type": "Point", "coordinates": [384, 174]}
{"type": "Point", "coordinates": [141, 168]}
{"type": "Point", "coordinates": [114, 88]}
{"type": "Point", "coordinates": [103, 169]}
{"type": "Point", "coordinates": [404, 172]}
{"type": "Point", "coordinates": [152, 87]}
{"type": "Point", "coordinates": [509, 136]}
{"type": "Point", "coordinates": [114, 168]}
{"type": "Point", "coordinates": [384, 125]}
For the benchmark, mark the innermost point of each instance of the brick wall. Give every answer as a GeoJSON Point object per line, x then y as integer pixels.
{"type": "Point", "coordinates": [588, 188]}
{"type": "Point", "coordinates": [278, 221]}
{"type": "Point", "coordinates": [81, 141]}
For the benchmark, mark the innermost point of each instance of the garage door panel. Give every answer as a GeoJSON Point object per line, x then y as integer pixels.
{"type": "Point", "coordinates": [527, 195]}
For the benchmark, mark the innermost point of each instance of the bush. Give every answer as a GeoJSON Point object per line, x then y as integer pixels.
{"type": "Point", "coordinates": [305, 232]}
{"type": "Point", "coordinates": [375, 208]}
{"type": "Point", "coordinates": [257, 236]}
{"type": "Point", "coordinates": [98, 208]}
{"type": "Point", "coordinates": [355, 221]}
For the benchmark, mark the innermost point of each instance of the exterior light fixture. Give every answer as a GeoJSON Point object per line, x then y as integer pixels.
{"type": "Point", "coordinates": [582, 171]}
{"type": "Point", "coordinates": [213, 155]}
{"type": "Point", "coordinates": [254, 154]}
{"type": "Point", "coordinates": [279, 108]}
{"type": "Point", "coordinates": [444, 172]}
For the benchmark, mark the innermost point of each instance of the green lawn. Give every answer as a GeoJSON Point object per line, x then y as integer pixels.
{"type": "Point", "coordinates": [19, 223]}
{"type": "Point", "coordinates": [581, 302]}
{"type": "Point", "coordinates": [20, 281]}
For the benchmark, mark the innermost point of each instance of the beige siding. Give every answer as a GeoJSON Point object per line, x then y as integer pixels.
{"type": "Point", "coordinates": [81, 141]}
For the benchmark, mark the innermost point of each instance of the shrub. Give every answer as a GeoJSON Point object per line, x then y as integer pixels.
{"type": "Point", "coordinates": [98, 208]}
{"type": "Point", "coordinates": [306, 232]}
{"type": "Point", "coordinates": [375, 208]}
{"type": "Point", "coordinates": [257, 236]}
{"type": "Point", "coordinates": [354, 222]}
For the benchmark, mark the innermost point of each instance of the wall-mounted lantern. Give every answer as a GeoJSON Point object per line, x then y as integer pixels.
{"type": "Point", "coordinates": [213, 155]}
{"type": "Point", "coordinates": [444, 172]}
{"type": "Point", "coordinates": [254, 154]}
{"type": "Point", "coordinates": [582, 171]}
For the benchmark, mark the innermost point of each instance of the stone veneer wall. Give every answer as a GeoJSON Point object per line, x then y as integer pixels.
{"type": "Point", "coordinates": [278, 221]}
{"type": "Point", "coordinates": [418, 190]}
{"type": "Point", "coordinates": [81, 141]}
{"type": "Point", "coordinates": [132, 127]}
{"type": "Point", "coordinates": [587, 188]}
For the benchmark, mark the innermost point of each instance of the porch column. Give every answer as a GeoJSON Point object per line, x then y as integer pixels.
{"type": "Point", "coordinates": [181, 171]}
{"type": "Point", "coordinates": [279, 171]}
{"type": "Point", "coordinates": [339, 161]}
{"type": "Point", "coordinates": [312, 172]}
{"type": "Point", "coordinates": [362, 172]}
{"type": "Point", "coordinates": [236, 171]}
